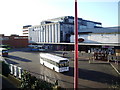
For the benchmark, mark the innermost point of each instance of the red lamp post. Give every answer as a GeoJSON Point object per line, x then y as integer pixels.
{"type": "Point", "coordinates": [76, 50]}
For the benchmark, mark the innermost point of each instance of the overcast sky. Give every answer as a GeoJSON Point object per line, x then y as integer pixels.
{"type": "Point", "coordinates": [16, 13]}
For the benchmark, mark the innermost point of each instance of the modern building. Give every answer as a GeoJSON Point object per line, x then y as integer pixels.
{"type": "Point", "coordinates": [99, 36]}
{"type": "Point", "coordinates": [25, 30]}
{"type": "Point", "coordinates": [14, 41]}
{"type": "Point", "coordinates": [58, 34]}
{"type": "Point", "coordinates": [99, 39]}
{"type": "Point", "coordinates": [58, 30]}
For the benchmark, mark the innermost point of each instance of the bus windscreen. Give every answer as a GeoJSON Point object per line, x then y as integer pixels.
{"type": "Point", "coordinates": [63, 64]}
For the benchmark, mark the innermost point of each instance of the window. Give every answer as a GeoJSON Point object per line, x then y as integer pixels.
{"type": "Point", "coordinates": [4, 51]}
{"type": "Point", "coordinates": [61, 35]}
{"type": "Point", "coordinates": [49, 61]}
{"type": "Point", "coordinates": [63, 64]}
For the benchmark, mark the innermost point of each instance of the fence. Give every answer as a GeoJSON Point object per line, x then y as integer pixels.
{"type": "Point", "coordinates": [108, 58]}
{"type": "Point", "coordinates": [17, 72]}
{"type": "Point", "coordinates": [43, 77]}
{"type": "Point", "coordinates": [116, 59]}
{"type": "Point", "coordinates": [89, 56]}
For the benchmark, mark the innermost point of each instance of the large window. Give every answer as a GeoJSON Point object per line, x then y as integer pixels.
{"type": "Point", "coordinates": [49, 61]}
{"type": "Point", "coordinates": [61, 36]}
{"type": "Point", "coordinates": [4, 51]}
{"type": "Point", "coordinates": [63, 64]}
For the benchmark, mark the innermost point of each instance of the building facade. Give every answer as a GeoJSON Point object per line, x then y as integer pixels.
{"type": "Point", "coordinates": [99, 35]}
{"type": "Point", "coordinates": [100, 39]}
{"type": "Point", "coordinates": [14, 41]}
{"type": "Point", "coordinates": [48, 33]}
{"type": "Point", "coordinates": [25, 30]}
{"type": "Point", "coordinates": [58, 30]}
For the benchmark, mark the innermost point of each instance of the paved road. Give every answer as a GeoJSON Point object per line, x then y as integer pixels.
{"type": "Point", "coordinates": [90, 75]}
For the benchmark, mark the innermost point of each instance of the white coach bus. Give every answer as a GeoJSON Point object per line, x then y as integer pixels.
{"type": "Point", "coordinates": [54, 62]}
{"type": "Point", "coordinates": [3, 52]}
{"type": "Point", "coordinates": [37, 47]}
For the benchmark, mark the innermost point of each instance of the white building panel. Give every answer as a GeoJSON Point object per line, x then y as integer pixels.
{"type": "Point", "coordinates": [98, 38]}
{"type": "Point", "coordinates": [40, 34]}
{"type": "Point", "coordinates": [44, 32]}
{"type": "Point", "coordinates": [90, 25]}
{"type": "Point", "coordinates": [52, 33]}
{"type": "Point", "coordinates": [58, 33]}
{"type": "Point", "coordinates": [105, 38]}
{"type": "Point", "coordinates": [47, 35]}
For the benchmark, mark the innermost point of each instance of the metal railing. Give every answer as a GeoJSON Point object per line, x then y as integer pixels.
{"type": "Point", "coordinates": [89, 56]}
{"type": "Point", "coordinates": [114, 58]}
{"type": "Point", "coordinates": [108, 58]}
{"type": "Point", "coordinates": [17, 72]}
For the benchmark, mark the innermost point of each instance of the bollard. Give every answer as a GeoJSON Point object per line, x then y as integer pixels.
{"type": "Point", "coordinates": [44, 77]}
{"type": "Point", "coordinates": [11, 69]}
{"type": "Point", "coordinates": [19, 72]}
{"type": "Point", "coordinates": [15, 70]}
{"type": "Point", "coordinates": [108, 59]}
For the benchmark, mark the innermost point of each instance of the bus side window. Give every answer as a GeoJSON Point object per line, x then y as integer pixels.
{"type": "Point", "coordinates": [57, 64]}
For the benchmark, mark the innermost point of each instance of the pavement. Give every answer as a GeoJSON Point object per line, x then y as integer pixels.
{"type": "Point", "coordinates": [116, 66]}
{"type": "Point", "coordinates": [91, 75]}
{"type": "Point", "coordinates": [5, 83]}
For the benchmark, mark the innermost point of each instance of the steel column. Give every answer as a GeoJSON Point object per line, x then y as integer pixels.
{"type": "Point", "coordinates": [76, 50]}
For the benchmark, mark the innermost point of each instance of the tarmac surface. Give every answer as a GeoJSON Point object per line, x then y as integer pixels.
{"type": "Point", "coordinates": [5, 83]}
{"type": "Point", "coordinates": [94, 75]}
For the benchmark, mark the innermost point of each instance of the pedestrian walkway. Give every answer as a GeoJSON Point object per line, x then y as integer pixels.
{"type": "Point", "coordinates": [2, 59]}
{"type": "Point", "coordinates": [6, 84]}
{"type": "Point", "coordinates": [98, 62]}
{"type": "Point", "coordinates": [116, 67]}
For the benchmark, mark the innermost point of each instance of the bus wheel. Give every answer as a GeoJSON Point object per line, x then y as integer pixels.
{"type": "Point", "coordinates": [53, 68]}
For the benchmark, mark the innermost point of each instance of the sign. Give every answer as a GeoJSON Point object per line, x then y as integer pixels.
{"type": "Point", "coordinates": [80, 39]}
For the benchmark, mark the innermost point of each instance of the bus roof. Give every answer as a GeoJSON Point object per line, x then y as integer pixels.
{"type": "Point", "coordinates": [35, 45]}
{"type": "Point", "coordinates": [52, 57]}
{"type": "Point", "coordinates": [3, 45]}
{"type": "Point", "coordinates": [3, 49]}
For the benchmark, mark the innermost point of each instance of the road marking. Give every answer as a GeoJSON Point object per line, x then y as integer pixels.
{"type": "Point", "coordinates": [115, 68]}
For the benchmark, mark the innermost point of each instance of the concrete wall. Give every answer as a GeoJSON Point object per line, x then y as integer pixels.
{"type": "Point", "coordinates": [98, 38]}
{"type": "Point", "coordinates": [48, 33]}
{"type": "Point", "coordinates": [15, 41]}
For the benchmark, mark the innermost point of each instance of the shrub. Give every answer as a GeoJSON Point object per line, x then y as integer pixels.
{"type": "Point", "coordinates": [5, 69]}
{"type": "Point", "coordinates": [31, 82]}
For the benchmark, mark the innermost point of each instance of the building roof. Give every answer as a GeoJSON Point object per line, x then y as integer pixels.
{"type": "Point", "coordinates": [102, 30]}
{"type": "Point", "coordinates": [69, 17]}
{"type": "Point", "coordinates": [26, 26]}
{"type": "Point", "coordinates": [52, 57]}
{"type": "Point", "coordinates": [84, 43]}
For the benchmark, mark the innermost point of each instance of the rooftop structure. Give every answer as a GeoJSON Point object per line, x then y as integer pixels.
{"type": "Point", "coordinates": [25, 30]}
{"type": "Point", "coordinates": [14, 40]}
